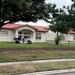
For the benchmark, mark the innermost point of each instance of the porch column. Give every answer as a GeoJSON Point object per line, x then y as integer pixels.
{"type": "Point", "coordinates": [16, 34]}
{"type": "Point", "coordinates": [34, 37]}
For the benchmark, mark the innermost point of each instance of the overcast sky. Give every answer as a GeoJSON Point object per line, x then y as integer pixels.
{"type": "Point", "coordinates": [59, 4]}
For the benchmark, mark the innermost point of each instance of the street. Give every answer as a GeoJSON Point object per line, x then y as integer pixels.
{"type": "Point", "coordinates": [72, 73]}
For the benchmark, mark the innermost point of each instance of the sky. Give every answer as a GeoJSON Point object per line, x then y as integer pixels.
{"type": "Point", "coordinates": [59, 4]}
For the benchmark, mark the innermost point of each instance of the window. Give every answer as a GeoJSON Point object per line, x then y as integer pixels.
{"type": "Point", "coordinates": [62, 38]}
{"type": "Point", "coordinates": [3, 33]}
{"type": "Point", "coordinates": [27, 34]}
{"type": "Point", "coordinates": [73, 37]}
{"type": "Point", "coordinates": [38, 35]}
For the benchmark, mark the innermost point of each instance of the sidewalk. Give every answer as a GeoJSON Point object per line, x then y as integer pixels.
{"type": "Point", "coordinates": [36, 61]}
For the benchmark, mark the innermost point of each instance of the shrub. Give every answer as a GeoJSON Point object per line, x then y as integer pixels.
{"type": "Point", "coordinates": [57, 40]}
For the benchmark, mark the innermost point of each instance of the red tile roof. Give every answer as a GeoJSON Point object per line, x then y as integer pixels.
{"type": "Point", "coordinates": [11, 26]}
{"type": "Point", "coordinates": [71, 32]}
{"type": "Point", "coordinates": [40, 28]}
{"type": "Point", "coordinates": [37, 28]}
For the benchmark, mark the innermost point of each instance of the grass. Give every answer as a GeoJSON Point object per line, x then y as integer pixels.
{"type": "Point", "coordinates": [24, 55]}
{"type": "Point", "coordinates": [18, 52]}
{"type": "Point", "coordinates": [1, 74]}
{"type": "Point", "coordinates": [7, 55]}
{"type": "Point", "coordinates": [34, 45]}
{"type": "Point", "coordinates": [13, 45]}
{"type": "Point", "coordinates": [37, 67]}
{"type": "Point", "coordinates": [6, 59]}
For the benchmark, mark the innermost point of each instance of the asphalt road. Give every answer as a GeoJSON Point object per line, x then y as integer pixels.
{"type": "Point", "coordinates": [73, 73]}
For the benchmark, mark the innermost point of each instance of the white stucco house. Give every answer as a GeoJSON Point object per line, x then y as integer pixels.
{"type": "Point", "coordinates": [23, 32]}
{"type": "Point", "coordinates": [34, 33]}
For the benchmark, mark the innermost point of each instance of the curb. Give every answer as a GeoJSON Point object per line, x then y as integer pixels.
{"type": "Point", "coordinates": [51, 72]}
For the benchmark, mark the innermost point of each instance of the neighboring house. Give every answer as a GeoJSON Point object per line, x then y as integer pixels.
{"type": "Point", "coordinates": [65, 38]}
{"type": "Point", "coordinates": [9, 32]}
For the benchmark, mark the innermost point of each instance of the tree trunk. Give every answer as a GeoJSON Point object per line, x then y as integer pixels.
{"type": "Point", "coordinates": [57, 39]}
{"type": "Point", "coordinates": [0, 26]}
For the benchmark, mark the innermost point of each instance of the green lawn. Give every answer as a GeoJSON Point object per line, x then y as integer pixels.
{"type": "Point", "coordinates": [34, 45]}
{"type": "Point", "coordinates": [7, 59]}
{"type": "Point", "coordinates": [1, 74]}
{"type": "Point", "coordinates": [32, 52]}
{"type": "Point", "coordinates": [27, 55]}
{"type": "Point", "coordinates": [19, 53]}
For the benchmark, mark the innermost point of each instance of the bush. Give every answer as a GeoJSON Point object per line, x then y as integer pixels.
{"type": "Point", "coordinates": [57, 40]}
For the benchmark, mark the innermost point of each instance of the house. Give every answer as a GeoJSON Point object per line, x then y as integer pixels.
{"type": "Point", "coordinates": [65, 38]}
{"type": "Point", "coordinates": [10, 32]}
{"type": "Point", "coordinates": [23, 32]}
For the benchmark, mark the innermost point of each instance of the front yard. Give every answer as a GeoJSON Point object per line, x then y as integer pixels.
{"type": "Point", "coordinates": [35, 51]}
{"type": "Point", "coordinates": [10, 52]}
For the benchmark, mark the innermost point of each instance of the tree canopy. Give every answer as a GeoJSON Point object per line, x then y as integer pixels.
{"type": "Point", "coordinates": [64, 20]}
{"type": "Point", "coordinates": [24, 10]}
{"type": "Point", "coordinates": [58, 22]}
{"type": "Point", "coordinates": [70, 19]}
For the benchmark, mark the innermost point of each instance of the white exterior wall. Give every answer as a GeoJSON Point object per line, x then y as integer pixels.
{"type": "Point", "coordinates": [50, 35]}
{"type": "Point", "coordinates": [9, 37]}
{"type": "Point", "coordinates": [43, 37]}
{"type": "Point", "coordinates": [69, 37]}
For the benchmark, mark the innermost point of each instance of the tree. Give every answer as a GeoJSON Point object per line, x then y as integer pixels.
{"type": "Point", "coordinates": [24, 10]}
{"type": "Point", "coordinates": [59, 25]}
{"type": "Point", "coordinates": [70, 19]}
{"type": "Point", "coordinates": [60, 28]}
{"type": "Point", "coordinates": [70, 15]}
{"type": "Point", "coordinates": [64, 20]}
